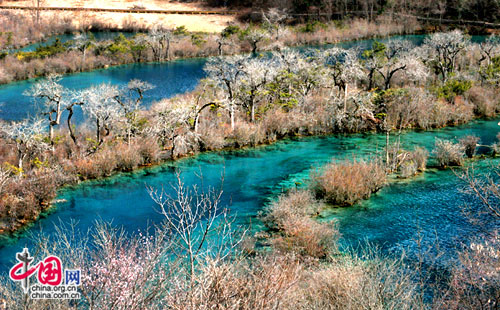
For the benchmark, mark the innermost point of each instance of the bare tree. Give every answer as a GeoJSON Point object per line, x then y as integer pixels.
{"type": "Point", "coordinates": [26, 136]}
{"type": "Point", "coordinates": [202, 228]}
{"type": "Point", "coordinates": [254, 37]}
{"type": "Point", "coordinates": [221, 42]}
{"type": "Point", "coordinates": [256, 73]}
{"type": "Point", "coordinates": [373, 61]}
{"type": "Point", "coordinates": [394, 59]}
{"type": "Point", "coordinates": [343, 66]}
{"type": "Point", "coordinates": [159, 39]}
{"type": "Point", "coordinates": [273, 19]}
{"type": "Point", "coordinates": [171, 120]}
{"type": "Point", "coordinates": [101, 106]}
{"type": "Point", "coordinates": [130, 99]}
{"type": "Point", "coordinates": [82, 43]}
{"type": "Point", "coordinates": [225, 73]}
{"type": "Point", "coordinates": [302, 73]}
{"type": "Point", "coordinates": [52, 94]}
{"type": "Point", "coordinates": [203, 99]}
{"type": "Point", "coordinates": [489, 49]}
{"type": "Point", "coordinates": [443, 50]}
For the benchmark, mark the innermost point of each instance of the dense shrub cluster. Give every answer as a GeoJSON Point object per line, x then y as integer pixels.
{"type": "Point", "coordinates": [347, 182]}
{"type": "Point", "coordinates": [292, 216]}
{"type": "Point", "coordinates": [448, 153]}
{"type": "Point", "coordinates": [408, 163]}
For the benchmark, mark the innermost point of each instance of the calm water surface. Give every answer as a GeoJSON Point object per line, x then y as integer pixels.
{"type": "Point", "coordinates": [429, 204]}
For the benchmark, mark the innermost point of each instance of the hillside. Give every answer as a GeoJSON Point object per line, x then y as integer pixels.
{"type": "Point", "coordinates": [204, 23]}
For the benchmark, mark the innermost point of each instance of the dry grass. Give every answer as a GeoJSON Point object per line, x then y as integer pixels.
{"type": "Point", "coordinates": [352, 282]}
{"type": "Point", "coordinates": [198, 23]}
{"type": "Point", "coordinates": [299, 233]}
{"type": "Point", "coordinates": [347, 182]}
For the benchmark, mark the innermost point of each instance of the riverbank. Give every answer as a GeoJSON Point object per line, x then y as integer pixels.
{"type": "Point", "coordinates": [301, 102]}
{"type": "Point", "coordinates": [87, 55]}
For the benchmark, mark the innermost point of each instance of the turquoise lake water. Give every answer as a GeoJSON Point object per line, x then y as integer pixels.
{"type": "Point", "coordinates": [390, 219]}
{"type": "Point", "coordinates": [429, 204]}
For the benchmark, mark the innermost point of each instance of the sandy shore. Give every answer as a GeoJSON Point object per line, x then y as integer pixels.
{"type": "Point", "coordinates": [205, 23]}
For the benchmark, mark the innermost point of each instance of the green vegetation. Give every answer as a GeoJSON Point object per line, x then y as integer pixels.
{"type": "Point", "coordinates": [43, 51]}
{"type": "Point", "coordinates": [161, 44]}
{"type": "Point", "coordinates": [453, 88]}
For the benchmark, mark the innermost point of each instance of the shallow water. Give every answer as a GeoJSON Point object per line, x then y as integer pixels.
{"type": "Point", "coordinates": [430, 203]}
{"type": "Point", "coordinates": [171, 78]}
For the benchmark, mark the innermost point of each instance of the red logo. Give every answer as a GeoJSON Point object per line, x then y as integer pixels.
{"type": "Point", "coordinates": [49, 270]}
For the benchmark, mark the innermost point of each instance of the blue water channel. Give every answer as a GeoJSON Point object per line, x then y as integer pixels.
{"type": "Point", "coordinates": [429, 205]}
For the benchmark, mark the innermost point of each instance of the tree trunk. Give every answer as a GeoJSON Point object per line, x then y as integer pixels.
{"type": "Point", "coordinates": [20, 162]}
{"type": "Point", "coordinates": [345, 98]}
{"type": "Point", "coordinates": [51, 133]}
{"type": "Point", "coordinates": [254, 47]}
{"type": "Point", "coordinates": [168, 49]}
{"type": "Point", "coordinates": [387, 147]}
{"type": "Point", "coordinates": [220, 48]}
{"type": "Point", "coordinates": [38, 13]}
{"type": "Point", "coordinates": [84, 56]}
{"type": "Point", "coordinates": [232, 116]}
{"type": "Point", "coordinates": [98, 132]}
{"type": "Point", "coordinates": [70, 128]}
{"type": "Point", "coordinates": [253, 113]}
{"type": "Point", "coordinates": [370, 79]}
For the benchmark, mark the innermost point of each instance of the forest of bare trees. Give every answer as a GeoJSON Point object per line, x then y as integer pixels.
{"type": "Point", "coordinates": [482, 10]}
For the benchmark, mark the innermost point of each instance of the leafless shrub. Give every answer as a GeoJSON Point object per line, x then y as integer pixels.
{"type": "Point", "coordinates": [475, 281]}
{"type": "Point", "coordinates": [265, 282]}
{"type": "Point", "coordinates": [448, 153]}
{"type": "Point", "coordinates": [347, 182]}
{"type": "Point", "coordinates": [247, 134]}
{"type": "Point", "coordinates": [212, 137]}
{"type": "Point", "coordinates": [361, 281]}
{"type": "Point", "coordinates": [485, 101]}
{"type": "Point", "coordinates": [485, 189]}
{"type": "Point", "coordinates": [469, 143]}
{"type": "Point", "coordinates": [298, 232]}
{"type": "Point", "coordinates": [408, 163]}
{"type": "Point", "coordinates": [149, 150]}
